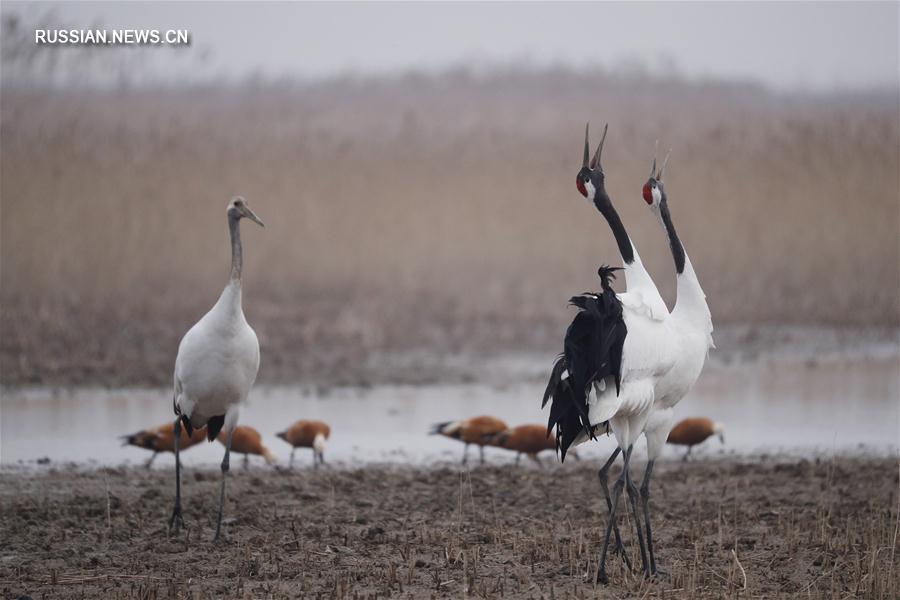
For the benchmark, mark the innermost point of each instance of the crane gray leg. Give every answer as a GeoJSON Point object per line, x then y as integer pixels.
{"type": "Point", "coordinates": [603, 474]}
{"type": "Point", "coordinates": [481, 454]}
{"type": "Point", "coordinates": [633, 497]}
{"type": "Point", "coordinates": [466, 454]}
{"type": "Point", "coordinates": [617, 491]}
{"type": "Point", "coordinates": [246, 462]}
{"type": "Point", "coordinates": [149, 463]}
{"type": "Point", "coordinates": [291, 463]}
{"type": "Point", "coordinates": [176, 519]}
{"type": "Point", "coordinates": [645, 500]}
{"type": "Point", "coordinates": [225, 466]}
{"type": "Point", "coordinates": [322, 458]}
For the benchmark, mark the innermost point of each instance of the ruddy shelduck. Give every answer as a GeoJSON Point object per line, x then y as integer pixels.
{"type": "Point", "coordinates": [475, 430]}
{"type": "Point", "coordinates": [162, 439]}
{"type": "Point", "coordinates": [529, 440]}
{"type": "Point", "coordinates": [307, 434]}
{"type": "Point", "coordinates": [693, 431]}
{"type": "Point", "coordinates": [246, 440]}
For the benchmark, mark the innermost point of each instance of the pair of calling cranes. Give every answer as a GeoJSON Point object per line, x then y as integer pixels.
{"type": "Point", "coordinates": [626, 359]}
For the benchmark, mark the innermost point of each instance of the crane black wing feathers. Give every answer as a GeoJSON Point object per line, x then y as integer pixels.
{"type": "Point", "coordinates": [592, 352]}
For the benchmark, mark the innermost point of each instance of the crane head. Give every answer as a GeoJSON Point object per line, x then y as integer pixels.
{"type": "Point", "coordinates": [238, 209]}
{"type": "Point", "coordinates": [654, 192]}
{"type": "Point", "coordinates": [590, 177]}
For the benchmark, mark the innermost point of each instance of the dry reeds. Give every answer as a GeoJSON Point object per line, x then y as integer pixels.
{"type": "Point", "coordinates": [424, 211]}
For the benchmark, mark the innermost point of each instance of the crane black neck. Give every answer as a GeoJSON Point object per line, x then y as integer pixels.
{"type": "Point", "coordinates": [615, 223]}
{"type": "Point", "coordinates": [674, 242]}
{"type": "Point", "coordinates": [237, 260]}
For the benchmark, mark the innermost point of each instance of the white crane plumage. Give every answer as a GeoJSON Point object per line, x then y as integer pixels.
{"type": "Point", "coordinates": [692, 327]}
{"type": "Point", "coordinates": [622, 397]}
{"type": "Point", "coordinates": [217, 363]}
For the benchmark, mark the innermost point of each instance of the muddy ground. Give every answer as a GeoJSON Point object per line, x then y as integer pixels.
{"type": "Point", "coordinates": [750, 527]}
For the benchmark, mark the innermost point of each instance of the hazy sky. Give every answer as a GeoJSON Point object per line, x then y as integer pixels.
{"type": "Point", "coordinates": [807, 45]}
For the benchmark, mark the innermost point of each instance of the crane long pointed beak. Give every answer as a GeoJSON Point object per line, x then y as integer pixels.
{"type": "Point", "coordinates": [587, 146]}
{"type": "Point", "coordinates": [663, 167]}
{"type": "Point", "coordinates": [252, 216]}
{"type": "Point", "coordinates": [596, 160]}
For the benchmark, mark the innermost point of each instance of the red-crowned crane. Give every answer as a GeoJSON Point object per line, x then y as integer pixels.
{"type": "Point", "coordinates": [692, 327]}
{"type": "Point", "coordinates": [217, 362]}
{"type": "Point", "coordinates": [618, 347]}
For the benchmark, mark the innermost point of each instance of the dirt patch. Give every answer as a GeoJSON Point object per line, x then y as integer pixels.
{"type": "Point", "coordinates": [820, 528]}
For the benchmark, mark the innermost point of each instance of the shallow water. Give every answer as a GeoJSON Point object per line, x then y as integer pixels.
{"type": "Point", "coordinates": [838, 405]}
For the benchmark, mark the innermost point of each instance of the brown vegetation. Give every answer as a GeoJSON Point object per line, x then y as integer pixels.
{"type": "Point", "coordinates": [435, 212]}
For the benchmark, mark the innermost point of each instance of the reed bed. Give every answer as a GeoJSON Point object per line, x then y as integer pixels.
{"type": "Point", "coordinates": [423, 211]}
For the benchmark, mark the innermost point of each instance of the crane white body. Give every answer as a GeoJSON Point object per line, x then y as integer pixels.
{"type": "Point", "coordinates": [647, 356]}
{"type": "Point", "coordinates": [217, 363]}
{"type": "Point", "coordinates": [691, 325]}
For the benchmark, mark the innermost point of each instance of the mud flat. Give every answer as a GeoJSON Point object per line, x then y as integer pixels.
{"type": "Point", "coordinates": [731, 527]}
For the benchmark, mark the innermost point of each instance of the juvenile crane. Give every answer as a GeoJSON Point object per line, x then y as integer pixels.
{"type": "Point", "coordinates": [691, 325]}
{"type": "Point", "coordinates": [618, 346]}
{"type": "Point", "coordinates": [695, 430]}
{"type": "Point", "coordinates": [161, 439]}
{"type": "Point", "coordinates": [217, 362]}
{"type": "Point", "coordinates": [475, 430]}
{"type": "Point", "coordinates": [307, 434]}
{"type": "Point", "coordinates": [246, 440]}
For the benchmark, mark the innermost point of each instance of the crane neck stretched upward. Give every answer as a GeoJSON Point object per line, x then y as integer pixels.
{"type": "Point", "coordinates": [637, 279]}
{"type": "Point", "coordinates": [626, 249]}
{"type": "Point", "coordinates": [674, 243]}
{"type": "Point", "coordinates": [237, 257]}
{"type": "Point", "coordinates": [690, 303]}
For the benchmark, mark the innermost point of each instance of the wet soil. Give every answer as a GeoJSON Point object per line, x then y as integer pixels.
{"type": "Point", "coordinates": [736, 527]}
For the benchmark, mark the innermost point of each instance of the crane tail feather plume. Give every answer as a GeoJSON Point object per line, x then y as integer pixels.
{"type": "Point", "coordinates": [214, 426]}
{"type": "Point", "coordinates": [592, 353]}
{"type": "Point", "coordinates": [188, 427]}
